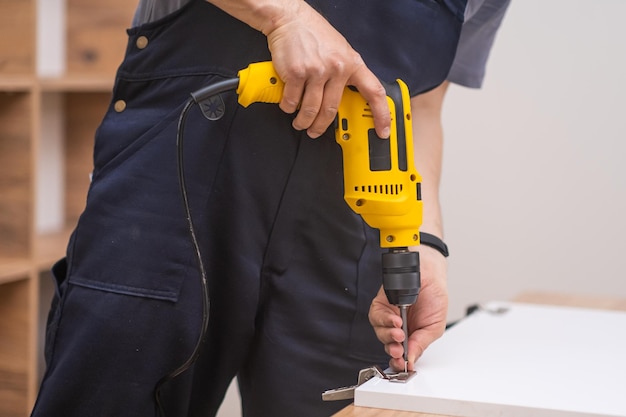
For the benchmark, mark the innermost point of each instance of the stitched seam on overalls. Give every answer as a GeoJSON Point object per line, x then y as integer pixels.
{"type": "Point", "coordinates": [126, 289]}
{"type": "Point", "coordinates": [175, 73]}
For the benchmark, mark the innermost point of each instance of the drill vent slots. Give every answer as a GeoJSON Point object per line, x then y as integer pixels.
{"type": "Point", "coordinates": [393, 189]}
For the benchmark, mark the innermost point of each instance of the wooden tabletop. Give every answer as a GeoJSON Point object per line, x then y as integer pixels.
{"type": "Point", "coordinates": [606, 303]}
{"type": "Point", "coordinates": [354, 411]}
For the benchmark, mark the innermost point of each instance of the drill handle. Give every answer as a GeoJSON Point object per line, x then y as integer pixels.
{"type": "Point", "coordinates": [259, 82]}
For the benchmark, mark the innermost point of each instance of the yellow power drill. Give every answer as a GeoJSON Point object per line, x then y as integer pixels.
{"type": "Point", "coordinates": [380, 180]}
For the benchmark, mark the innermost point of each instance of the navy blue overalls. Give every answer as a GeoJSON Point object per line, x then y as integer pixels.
{"type": "Point", "coordinates": [291, 269]}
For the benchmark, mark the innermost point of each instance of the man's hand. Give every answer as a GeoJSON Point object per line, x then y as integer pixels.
{"type": "Point", "coordinates": [313, 60]}
{"type": "Point", "coordinates": [316, 63]}
{"type": "Point", "coordinates": [426, 318]}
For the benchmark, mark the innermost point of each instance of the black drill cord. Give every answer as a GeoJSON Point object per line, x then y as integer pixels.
{"type": "Point", "coordinates": [205, 288]}
{"type": "Point", "coordinates": [197, 97]}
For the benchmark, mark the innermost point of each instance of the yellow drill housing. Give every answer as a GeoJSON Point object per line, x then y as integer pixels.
{"type": "Point", "coordinates": [380, 180]}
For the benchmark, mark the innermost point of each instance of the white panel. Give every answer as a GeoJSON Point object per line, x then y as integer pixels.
{"type": "Point", "coordinates": [51, 38]}
{"type": "Point", "coordinates": [531, 360]}
{"type": "Point", "coordinates": [50, 176]}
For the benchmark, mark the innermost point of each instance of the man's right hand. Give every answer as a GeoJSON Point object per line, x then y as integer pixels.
{"type": "Point", "coordinates": [314, 61]}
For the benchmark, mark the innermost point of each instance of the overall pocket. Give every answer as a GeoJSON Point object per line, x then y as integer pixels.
{"type": "Point", "coordinates": [133, 237]}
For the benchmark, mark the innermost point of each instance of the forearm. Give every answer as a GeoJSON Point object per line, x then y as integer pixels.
{"type": "Point", "coordinates": [428, 151]}
{"type": "Point", "coordinates": [262, 15]}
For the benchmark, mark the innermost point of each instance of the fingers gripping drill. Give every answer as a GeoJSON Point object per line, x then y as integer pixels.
{"type": "Point", "coordinates": [380, 180]}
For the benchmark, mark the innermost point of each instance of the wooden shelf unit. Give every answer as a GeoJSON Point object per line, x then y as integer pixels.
{"type": "Point", "coordinates": [95, 40]}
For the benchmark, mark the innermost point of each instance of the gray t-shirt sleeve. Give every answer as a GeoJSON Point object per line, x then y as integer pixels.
{"type": "Point", "coordinates": [482, 21]}
{"type": "Point", "coordinates": [151, 10]}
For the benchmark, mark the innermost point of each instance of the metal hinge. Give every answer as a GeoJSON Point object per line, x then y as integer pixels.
{"type": "Point", "coordinates": [347, 393]}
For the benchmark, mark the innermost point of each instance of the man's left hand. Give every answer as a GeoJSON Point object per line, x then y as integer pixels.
{"type": "Point", "coordinates": [426, 318]}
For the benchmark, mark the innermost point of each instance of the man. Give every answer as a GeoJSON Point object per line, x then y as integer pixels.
{"type": "Point", "coordinates": [291, 271]}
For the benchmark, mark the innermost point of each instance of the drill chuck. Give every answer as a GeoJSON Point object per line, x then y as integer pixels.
{"type": "Point", "coordinates": [401, 276]}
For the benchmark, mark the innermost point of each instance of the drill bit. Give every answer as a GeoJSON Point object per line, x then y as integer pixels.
{"type": "Point", "coordinates": [405, 343]}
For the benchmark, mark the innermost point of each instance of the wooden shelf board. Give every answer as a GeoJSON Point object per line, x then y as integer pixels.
{"type": "Point", "coordinates": [50, 247]}
{"type": "Point", "coordinates": [13, 390]}
{"type": "Point", "coordinates": [11, 84]}
{"type": "Point", "coordinates": [572, 300]}
{"type": "Point", "coordinates": [78, 83]}
{"type": "Point", "coordinates": [67, 83]}
{"type": "Point", "coordinates": [12, 270]}
{"type": "Point", "coordinates": [15, 310]}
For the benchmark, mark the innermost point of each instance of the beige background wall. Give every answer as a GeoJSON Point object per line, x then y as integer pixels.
{"type": "Point", "coordinates": [534, 184]}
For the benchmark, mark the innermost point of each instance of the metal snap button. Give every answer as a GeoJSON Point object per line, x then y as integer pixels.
{"type": "Point", "coordinates": [141, 42]}
{"type": "Point", "coordinates": [119, 106]}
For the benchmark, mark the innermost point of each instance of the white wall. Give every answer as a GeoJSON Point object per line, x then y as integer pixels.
{"type": "Point", "coordinates": [534, 187]}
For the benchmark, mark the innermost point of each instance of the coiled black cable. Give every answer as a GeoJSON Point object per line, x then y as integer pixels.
{"type": "Point", "coordinates": [197, 97]}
